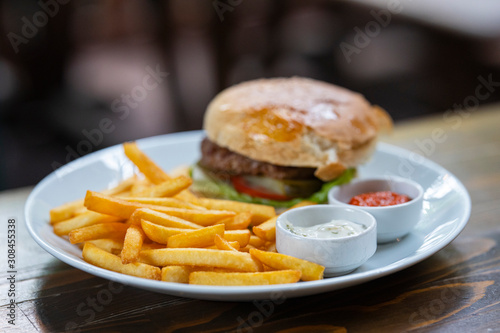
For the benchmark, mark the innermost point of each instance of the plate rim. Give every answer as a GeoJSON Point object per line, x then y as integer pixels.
{"type": "Point", "coordinates": [244, 293]}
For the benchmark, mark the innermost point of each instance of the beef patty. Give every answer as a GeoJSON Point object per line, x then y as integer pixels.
{"type": "Point", "coordinates": [225, 163]}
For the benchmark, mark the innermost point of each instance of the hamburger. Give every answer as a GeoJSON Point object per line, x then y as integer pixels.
{"type": "Point", "coordinates": [278, 141]}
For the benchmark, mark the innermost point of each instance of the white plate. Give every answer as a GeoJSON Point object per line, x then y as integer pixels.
{"type": "Point", "coordinates": [446, 211]}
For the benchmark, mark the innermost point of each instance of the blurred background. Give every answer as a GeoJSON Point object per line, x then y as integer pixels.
{"type": "Point", "coordinates": [77, 76]}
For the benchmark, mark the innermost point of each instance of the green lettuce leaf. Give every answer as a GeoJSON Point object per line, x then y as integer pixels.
{"type": "Point", "coordinates": [214, 188]}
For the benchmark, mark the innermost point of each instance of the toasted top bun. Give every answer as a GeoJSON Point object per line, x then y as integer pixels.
{"type": "Point", "coordinates": [296, 122]}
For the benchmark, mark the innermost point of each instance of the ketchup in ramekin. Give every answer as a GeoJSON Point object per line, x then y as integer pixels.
{"type": "Point", "coordinates": [379, 199]}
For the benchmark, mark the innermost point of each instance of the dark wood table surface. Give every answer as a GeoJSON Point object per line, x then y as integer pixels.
{"type": "Point", "coordinates": [455, 290]}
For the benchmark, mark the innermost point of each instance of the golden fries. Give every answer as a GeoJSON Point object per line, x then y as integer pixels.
{"type": "Point", "coordinates": [237, 261]}
{"type": "Point", "coordinates": [197, 238]}
{"type": "Point", "coordinates": [223, 244]}
{"type": "Point", "coordinates": [108, 244]}
{"type": "Point", "coordinates": [98, 257]}
{"type": "Point", "coordinates": [132, 244]}
{"type": "Point", "coordinates": [83, 220]}
{"type": "Point", "coordinates": [124, 209]}
{"type": "Point", "coordinates": [150, 169]}
{"type": "Point", "coordinates": [158, 233]}
{"type": "Point", "coordinates": [244, 279]}
{"type": "Point", "coordinates": [270, 247]}
{"type": "Point", "coordinates": [178, 274]}
{"type": "Point", "coordinates": [310, 271]}
{"type": "Point", "coordinates": [239, 221]}
{"type": "Point", "coordinates": [73, 208]}
{"type": "Point", "coordinates": [167, 188]}
{"type": "Point", "coordinates": [266, 230]}
{"type": "Point", "coordinates": [139, 186]}
{"type": "Point", "coordinates": [155, 228]}
{"type": "Point", "coordinates": [167, 202]}
{"type": "Point", "coordinates": [66, 211]}
{"type": "Point", "coordinates": [161, 219]}
{"type": "Point", "coordinates": [97, 231]}
{"type": "Point", "coordinates": [105, 204]}
{"type": "Point", "coordinates": [256, 241]}
{"type": "Point", "coordinates": [145, 165]}
{"type": "Point", "coordinates": [241, 236]}
{"type": "Point", "coordinates": [152, 246]}
{"type": "Point", "coordinates": [260, 213]}
{"type": "Point", "coordinates": [247, 248]}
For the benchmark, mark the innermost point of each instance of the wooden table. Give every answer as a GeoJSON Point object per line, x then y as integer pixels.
{"type": "Point", "coordinates": [455, 290]}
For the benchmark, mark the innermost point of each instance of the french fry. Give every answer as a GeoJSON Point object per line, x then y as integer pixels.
{"type": "Point", "coordinates": [241, 236]}
{"type": "Point", "coordinates": [104, 204]}
{"type": "Point", "coordinates": [167, 202]}
{"type": "Point", "coordinates": [73, 208]}
{"type": "Point", "coordinates": [269, 269]}
{"type": "Point", "coordinates": [98, 257]}
{"type": "Point", "coordinates": [83, 220]}
{"type": "Point", "coordinates": [201, 217]}
{"type": "Point", "coordinates": [214, 247]}
{"type": "Point", "coordinates": [145, 165]}
{"type": "Point", "coordinates": [144, 224]}
{"type": "Point", "coordinates": [197, 238]}
{"type": "Point", "coordinates": [150, 169]}
{"type": "Point", "coordinates": [122, 208]}
{"type": "Point", "coordinates": [187, 196]}
{"type": "Point", "coordinates": [310, 271]}
{"type": "Point", "coordinates": [244, 279]}
{"type": "Point", "coordinates": [158, 233]}
{"type": "Point", "coordinates": [132, 244]}
{"type": "Point", "coordinates": [66, 211]}
{"type": "Point", "coordinates": [103, 230]}
{"type": "Point", "coordinates": [247, 248]}
{"type": "Point", "coordinates": [139, 186]}
{"type": "Point", "coordinates": [223, 244]}
{"type": "Point", "coordinates": [266, 230]}
{"type": "Point", "coordinates": [108, 244]}
{"type": "Point", "coordinates": [256, 241]}
{"type": "Point", "coordinates": [152, 246]}
{"type": "Point", "coordinates": [178, 274]}
{"type": "Point", "coordinates": [260, 213]}
{"type": "Point", "coordinates": [237, 261]}
{"type": "Point", "coordinates": [234, 244]}
{"type": "Point", "coordinates": [271, 247]}
{"type": "Point", "coordinates": [121, 187]}
{"type": "Point", "coordinates": [167, 188]}
{"type": "Point", "coordinates": [161, 219]}
{"type": "Point", "coordinates": [239, 221]}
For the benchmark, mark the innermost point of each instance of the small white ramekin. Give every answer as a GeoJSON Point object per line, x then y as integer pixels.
{"type": "Point", "coordinates": [338, 255]}
{"type": "Point", "coordinates": [393, 222]}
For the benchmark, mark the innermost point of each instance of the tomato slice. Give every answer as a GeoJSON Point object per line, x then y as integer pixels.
{"type": "Point", "coordinates": [242, 186]}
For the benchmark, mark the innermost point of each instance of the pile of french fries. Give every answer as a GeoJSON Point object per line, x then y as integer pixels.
{"type": "Point", "coordinates": [152, 226]}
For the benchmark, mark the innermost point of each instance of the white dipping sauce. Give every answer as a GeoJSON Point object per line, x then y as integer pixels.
{"type": "Point", "coordinates": [332, 229]}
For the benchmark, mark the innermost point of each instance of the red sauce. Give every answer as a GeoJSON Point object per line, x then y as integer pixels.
{"type": "Point", "coordinates": [377, 199]}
